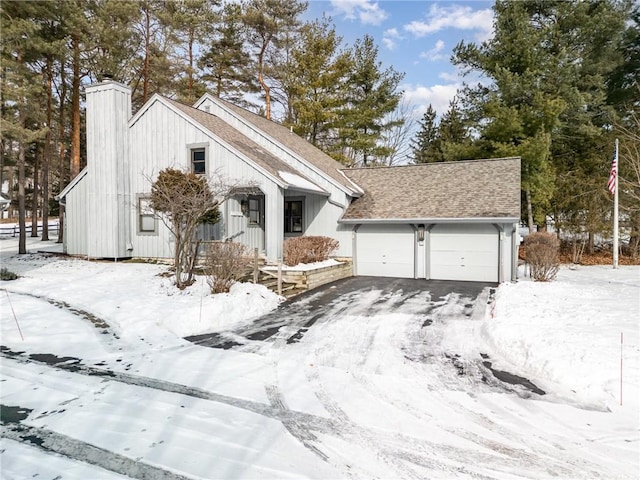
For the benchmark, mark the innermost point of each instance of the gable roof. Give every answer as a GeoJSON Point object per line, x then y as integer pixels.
{"type": "Point", "coordinates": [298, 146]}
{"type": "Point", "coordinates": [65, 191]}
{"type": "Point", "coordinates": [286, 176]}
{"type": "Point", "coordinates": [473, 189]}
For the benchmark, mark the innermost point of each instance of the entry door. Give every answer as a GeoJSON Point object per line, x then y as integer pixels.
{"type": "Point", "coordinates": [464, 252]}
{"type": "Point", "coordinates": [385, 251]}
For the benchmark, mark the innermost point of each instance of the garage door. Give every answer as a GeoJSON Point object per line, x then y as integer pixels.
{"type": "Point", "coordinates": [385, 251]}
{"type": "Point", "coordinates": [464, 252]}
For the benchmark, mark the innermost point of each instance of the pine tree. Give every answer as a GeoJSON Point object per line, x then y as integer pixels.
{"type": "Point", "coordinates": [547, 62]}
{"type": "Point", "coordinates": [371, 93]}
{"type": "Point", "coordinates": [318, 72]}
{"type": "Point", "coordinates": [22, 84]}
{"type": "Point", "coordinates": [153, 70]}
{"type": "Point", "coordinates": [193, 23]}
{"type": "Point", "coordinates": [226, 64]}
{"type": "Point", "coordinates": [269, 23]}
{"type": "Point", "coordinates": [425, 146]}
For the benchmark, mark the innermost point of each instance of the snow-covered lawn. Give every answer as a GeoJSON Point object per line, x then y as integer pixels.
{"type": "Point", "coordinates": [361, 395]}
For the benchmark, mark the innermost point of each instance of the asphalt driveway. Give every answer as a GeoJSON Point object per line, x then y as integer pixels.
{"type": "Point", "coordinates": [330, 301]}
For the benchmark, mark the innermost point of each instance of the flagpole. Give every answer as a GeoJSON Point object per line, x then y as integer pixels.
{"type": "Point", "coordinates": [615, 210]}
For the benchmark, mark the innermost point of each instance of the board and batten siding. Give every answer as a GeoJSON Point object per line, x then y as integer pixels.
{"type": "Point", "coordinates": [162, 138]}
{"type": "Point", "coordinates": [107, 182]}
{"type": "Point", "coordinates": [75, 219]}
{"type": "Point", "coordinates": [321, 218]}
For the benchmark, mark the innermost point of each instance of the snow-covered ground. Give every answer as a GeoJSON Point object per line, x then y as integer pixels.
{"type": "Point", "coordinates": [394, 391]}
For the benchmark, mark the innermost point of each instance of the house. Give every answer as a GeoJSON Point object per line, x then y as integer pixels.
{"type": "Point", "coordinates": [454, 220]}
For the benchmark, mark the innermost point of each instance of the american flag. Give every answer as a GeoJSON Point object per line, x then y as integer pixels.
{"type": "Point", "coordinates": [611, 184]}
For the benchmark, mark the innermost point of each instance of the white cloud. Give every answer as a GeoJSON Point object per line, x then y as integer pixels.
{"type": "Point", "coordinates": [389, 38]}
{"type": "Point", "coordinates": [390, 43]}
{"type": "Point", "coordinates": [367, 11]}
{"type": "Point", "coordinates": [392, 33]}
{"type": "Point", "coordinates": [438, 96]}
{"type": "Point", "coordinates": [455, 16]}
{"type": "Point", "coordinates": [434, 54]}
{"type": "Point", "coordinates": [449, 76]}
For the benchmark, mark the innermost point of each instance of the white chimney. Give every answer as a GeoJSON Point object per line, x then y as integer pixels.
{"type": "Point", "coordinates": [108, 111]}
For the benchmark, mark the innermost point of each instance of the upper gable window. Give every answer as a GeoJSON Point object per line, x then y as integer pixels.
{"type": "Point", "coordinates": [199, 161]}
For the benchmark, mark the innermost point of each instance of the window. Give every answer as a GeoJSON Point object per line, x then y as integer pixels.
{"type": "Point", "coordinates": [147, 223]}
{"type": "Point", "coordinates": [293, 216]}
{"type": "Point", "coordinates": [198, 161]}
{"type": "Point", "coordinates": [255, 210]}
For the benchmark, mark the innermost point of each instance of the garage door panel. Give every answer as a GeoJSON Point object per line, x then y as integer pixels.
{"type": "Point", "coordinates": [385, 251]}
{"type": "Point", "coordinates": [464, 252]}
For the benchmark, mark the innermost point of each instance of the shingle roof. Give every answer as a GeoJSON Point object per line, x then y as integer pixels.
{"type": "Point", "coordinates": [465, 189]}
{"type": "Point", "coordinates": [296, 144]}
{"type": "Point", "coordinates": [242, 143]}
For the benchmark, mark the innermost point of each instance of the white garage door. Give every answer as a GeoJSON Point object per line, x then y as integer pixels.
{"type": "Point", "coordinates": [385, 251]}
{"type": "Point", "coordinates": [464, 252]}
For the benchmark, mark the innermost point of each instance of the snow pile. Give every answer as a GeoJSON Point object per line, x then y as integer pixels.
{"type": "Point", "coordinates": [305, 267]}
{"type": "Point", "coordinates": [136, 299]}
{"type": "Point", "coordinates": [565, 335]}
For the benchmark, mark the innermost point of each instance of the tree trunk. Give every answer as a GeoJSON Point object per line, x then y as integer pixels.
{"type": "Point", "coordinates": [267, 90]}
{"type": "Point", "coordinates": [190, 95]}
{"type": "Point", "coordinates": [147, 46]}
{"type": "Point", "coordinates": [62, 150]}
{"type": "Point", "coordinates": [35, 195]}
{"type": "Point", "coordinates": [590, 243]}
{"type": "Point", "coordinates": [75, 109]}
{"type": "Point", "coordinates": [47, 154]}
{"type": "Point", "coordinates": [3, 141]}
{"type": "Point", "coordinates": [22, 240]}
{"type": "Point", "coordinates": [529, 211]}
{"type": "Point", "coordinates": [634, 238]}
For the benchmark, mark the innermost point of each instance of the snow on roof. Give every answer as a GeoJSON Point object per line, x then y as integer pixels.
{"type": "Point", "coordinates": [297, 182]}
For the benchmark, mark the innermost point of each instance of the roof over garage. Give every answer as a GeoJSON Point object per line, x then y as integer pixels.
{"type": "Point", "coordinates": [470, 190]}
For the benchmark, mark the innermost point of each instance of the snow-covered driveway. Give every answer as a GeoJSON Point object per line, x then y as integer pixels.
{"type": "Point", "coordinates": [388, 381]}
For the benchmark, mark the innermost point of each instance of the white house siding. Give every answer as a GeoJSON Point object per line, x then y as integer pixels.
{"type": "Point", "coordinates": [75, 224]}
{"type": "Point", "coordinates": [236, 226]}
{"type": "Point", "coordinates": [320, 218]}
{"type": "Point", "coordinates": [161, 139]}
{"type": "Point", "coordinates": [108, 110]}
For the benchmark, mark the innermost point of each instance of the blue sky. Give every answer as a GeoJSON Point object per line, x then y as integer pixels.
{"type": "Point", "coordinates": [415, 37]}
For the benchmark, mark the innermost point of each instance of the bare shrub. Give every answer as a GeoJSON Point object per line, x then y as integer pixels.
{"type": "Point", "coordinates": [542, 254]}
{"type": "Point", "coordinates": [226, 263]}
{"type": "Point", "coordinates": [308, 249]}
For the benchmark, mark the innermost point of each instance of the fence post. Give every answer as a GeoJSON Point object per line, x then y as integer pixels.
{"type": "Point", "coordinates": [279, 277]}
{"type": "Point", "coordinates": [255, 265]}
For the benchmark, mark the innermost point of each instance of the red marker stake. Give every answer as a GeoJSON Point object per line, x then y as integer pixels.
{"type": "Point", "coordinates": [621, 341]}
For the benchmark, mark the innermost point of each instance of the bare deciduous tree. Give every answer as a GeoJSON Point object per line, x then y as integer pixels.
{"type": "Point", "coordinates": [398, 137]}
{"type": "Point", "coordinates": [183, 200]}
{"type": "Point", "coordinates": [629, 179]}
